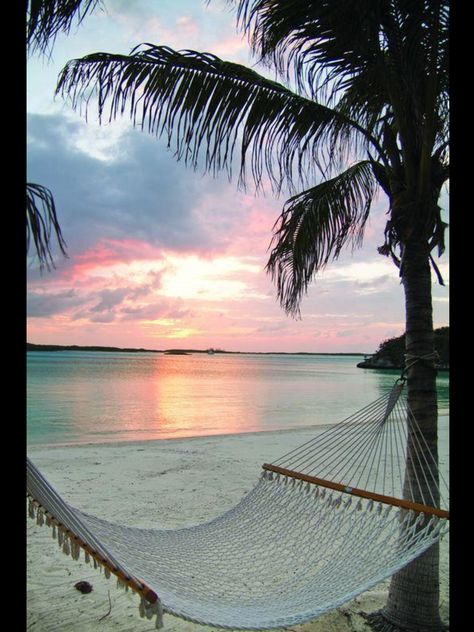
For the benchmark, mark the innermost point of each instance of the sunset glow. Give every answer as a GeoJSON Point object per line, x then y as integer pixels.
{"type": "Point", "coordinates": [216, 279]}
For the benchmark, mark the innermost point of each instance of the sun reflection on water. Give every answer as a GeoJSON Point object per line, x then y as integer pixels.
{"type": "Point", "coordinates": [77, 397]}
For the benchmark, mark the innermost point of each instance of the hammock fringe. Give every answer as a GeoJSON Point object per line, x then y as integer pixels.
{"type": "Point", "coordinates": [70, 546]}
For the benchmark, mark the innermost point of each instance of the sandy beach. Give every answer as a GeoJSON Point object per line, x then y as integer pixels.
{"type": "Point", "coordinates": [168, 484]}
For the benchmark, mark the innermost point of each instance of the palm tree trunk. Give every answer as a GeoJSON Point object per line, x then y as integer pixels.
{"type": "Point", "coordinates": [413, 600]}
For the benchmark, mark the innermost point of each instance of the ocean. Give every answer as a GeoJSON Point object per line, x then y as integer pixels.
{"type": "Point", "coordinates": [80, 397]}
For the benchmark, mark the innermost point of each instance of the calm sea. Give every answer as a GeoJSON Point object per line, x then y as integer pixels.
{"type": "Point", "coordinates": [96, 397]}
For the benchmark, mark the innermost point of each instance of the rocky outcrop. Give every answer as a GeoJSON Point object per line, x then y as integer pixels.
{"type": "Point", "coordinates": [374, 362]}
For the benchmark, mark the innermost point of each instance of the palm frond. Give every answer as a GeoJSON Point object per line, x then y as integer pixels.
{"type": "Point", "coordinates": [313, 229]}
{"type": "Point", "coordinates": [346, 36]}
{"type": "Point", "coordinates": [400, 48]}
{"type": "Point", "coordinates": [318, 43]}
{"type": "Point", "coordinates": [206, 106]}
{"type": "Point", "coordinates": [42, 224]}
{"type": "Point", "coordinates": [47, 18]}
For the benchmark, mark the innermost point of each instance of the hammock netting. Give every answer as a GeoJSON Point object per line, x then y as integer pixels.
{"type": "Point", "coordinates": [322, 524]}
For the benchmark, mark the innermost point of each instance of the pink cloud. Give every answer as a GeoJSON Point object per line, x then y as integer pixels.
{"type": "Point", "coordinates": [240, 224]}
{"type": "Point", "coordinates": [109, 252]}
{"type": "Point", "coordinates": [231, 47]}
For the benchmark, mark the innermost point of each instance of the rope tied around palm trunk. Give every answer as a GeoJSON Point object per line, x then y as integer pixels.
{"type": "Point", "coordinates": [428, 359]}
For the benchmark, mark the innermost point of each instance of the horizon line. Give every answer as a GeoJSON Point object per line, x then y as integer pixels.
{"type": "Point", "coordinates": [53, 347]}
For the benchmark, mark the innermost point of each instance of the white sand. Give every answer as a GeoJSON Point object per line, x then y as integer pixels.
{"type": "Point", "coordinates": [169, 483]}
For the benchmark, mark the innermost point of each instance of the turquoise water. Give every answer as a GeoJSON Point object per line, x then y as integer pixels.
{"type": "Point", "coordinates": [94, 397]}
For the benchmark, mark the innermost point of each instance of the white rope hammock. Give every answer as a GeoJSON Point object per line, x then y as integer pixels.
{"type": "Point", "coordinates": [323, 524]}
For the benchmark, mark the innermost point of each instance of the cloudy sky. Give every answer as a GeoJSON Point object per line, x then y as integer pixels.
{"type": "Point", "coordinates": [161, 256]}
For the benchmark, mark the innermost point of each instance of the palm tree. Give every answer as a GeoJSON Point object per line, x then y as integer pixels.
{"type": "Point", "coordinates": [368, 110]}
{"type": "Point", "coordinates": [45, 20]}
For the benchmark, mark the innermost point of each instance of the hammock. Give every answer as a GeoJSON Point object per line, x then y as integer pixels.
{"type": "Point", "coordinates": [296, 546]}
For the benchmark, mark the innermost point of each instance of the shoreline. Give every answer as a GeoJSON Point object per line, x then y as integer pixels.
{"type": "Point", "coordinates": [443, 417]}
{"type": "Point", "coordinates": [131, 442]}
{"type": "Point", "coordinates": [165, 483]}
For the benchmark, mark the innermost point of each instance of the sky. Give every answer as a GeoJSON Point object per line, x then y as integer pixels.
{"type": "Point", "coordinates": [161, 256]}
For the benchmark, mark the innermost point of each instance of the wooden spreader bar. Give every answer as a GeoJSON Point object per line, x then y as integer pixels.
{"type": "Point", "coordinates": [137, 586]}
{"type": "Point", "coordinates": [354, 491]}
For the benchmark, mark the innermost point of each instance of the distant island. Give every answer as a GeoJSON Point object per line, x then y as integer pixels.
{"type": "Point", "coordinates": [391, 352]}
{"type": "Point", "coordinates": [176, 352]}
{"type": "Point", "coordinates": [36, 347]}
{"type": "Point", "coordinates": [33, 347]}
